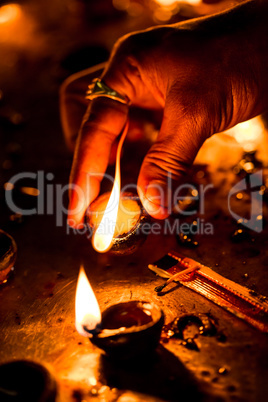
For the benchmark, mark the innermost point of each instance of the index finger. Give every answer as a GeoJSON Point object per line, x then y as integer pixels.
{"type": "Point", "coordinates": [103, 122]}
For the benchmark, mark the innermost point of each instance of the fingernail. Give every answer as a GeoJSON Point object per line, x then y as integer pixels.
{"type": "Point", "coordinates": [156, 198]}
{"type": "Point", "coordinates": [156, 193]}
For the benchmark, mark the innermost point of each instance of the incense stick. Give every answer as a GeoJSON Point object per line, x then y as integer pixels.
{"type": "Point", "coordinates": [177, 277]}
{"type": "Point", "coordinates": [235, 298]}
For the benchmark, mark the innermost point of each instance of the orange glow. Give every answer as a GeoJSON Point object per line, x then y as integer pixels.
{"type": "Point", "coordinates": [193, 2]}
{"type": "Point", "coordinates": [34, 192]}
{"type": "Point", "coordinates": [248, 134]}
{"type": "Point", "coordinates": [128, 214]}
{"type": "Point", "coordinates": [166, 3]}
{"type": "Point", "coordinates": [165, 9]}
{"type": "Point", "coordinates": [121, 4]}
{"type": "Point", "coordinates": [9, 12]}
{"type": "Point", "coordinates": [162, 14]}
{"type": "Point", "coordinates": [103, 236]}
{"type": "Point", "coordinates": [87, 310]}
{"type": "Point", "coordinates": [9, 186]}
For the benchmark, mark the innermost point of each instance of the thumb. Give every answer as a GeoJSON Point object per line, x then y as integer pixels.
{"type": "Point", "coordinates": [168, 160]}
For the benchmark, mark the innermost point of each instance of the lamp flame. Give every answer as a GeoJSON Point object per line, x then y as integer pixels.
{"type": "Point", "coordinates": [87, 310]}
{"type": "Point", "coordinates": [103, 236]}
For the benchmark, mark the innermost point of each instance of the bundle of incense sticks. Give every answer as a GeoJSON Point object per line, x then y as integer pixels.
{"type": "Point", "coordinates": [236, 299]}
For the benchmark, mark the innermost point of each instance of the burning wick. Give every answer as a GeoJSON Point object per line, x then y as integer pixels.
{"type": "Point", "coordinates": [103, 236]}
{"type": "Point", "coordinates": [87, 310]}
{"type": "Point", "coordinates": [124, 330]}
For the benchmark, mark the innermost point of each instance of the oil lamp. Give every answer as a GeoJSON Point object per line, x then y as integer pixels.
{"type": "Point", "coordinates": [117, 219]}
{"type": "Point", "coordinates": [122, 331]}
{"type": "Point", "coordinates": [131, 220]}
{"type": "Point", "coordinates": [26, 380]}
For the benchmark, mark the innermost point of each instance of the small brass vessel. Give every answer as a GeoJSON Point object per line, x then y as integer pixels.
{"type": "Point", "coordinates": [132, 226]}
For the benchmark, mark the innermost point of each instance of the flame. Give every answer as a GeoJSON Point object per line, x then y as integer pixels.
{"type": "Point", "coordinates": [103, 236]}
{"type": "Point", "coordinates": [87, 310]}
{"type": "Point", "coordinates": [9, 12]}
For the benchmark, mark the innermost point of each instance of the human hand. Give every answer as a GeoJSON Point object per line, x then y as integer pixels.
{"type": "Point", "coordinates": [206, 75]}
